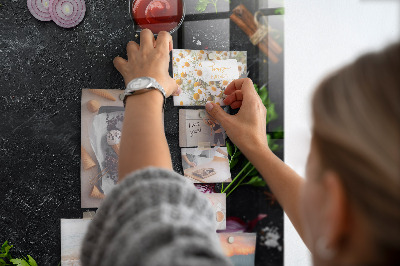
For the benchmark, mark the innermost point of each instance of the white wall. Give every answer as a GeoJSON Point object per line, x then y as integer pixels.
{"type": "Point", "coordinates": [320, 36]}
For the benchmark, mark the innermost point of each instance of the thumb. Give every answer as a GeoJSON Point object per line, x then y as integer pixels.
{"type": "Point", "coordinates": [218, 113]}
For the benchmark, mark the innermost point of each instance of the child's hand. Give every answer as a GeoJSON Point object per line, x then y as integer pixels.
{"type": "Point", "coordinates": [150, 59]}
{"type": "Point", "coordinates": [247, 129]}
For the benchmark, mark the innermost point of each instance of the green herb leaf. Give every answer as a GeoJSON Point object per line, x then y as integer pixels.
{"type": "Point", "coordinates": [263, 93]}
{"type": "Point", "coordinates": [253, 172]}
{"type": "Point", "coordinates": [273, 146]}
{"type": "Point", "coordinates": [233, 162]}
{"type": "Point", "coordinates": [31, 261]}
{"type": "Point", "coordinates": [256, 181]}
{"type": "Point", "coordinates": [280, 11]}
{"type": "Point", "coordinates": [5, 253]}
{"type": "Point", "coordinates": [19, 262]}
{"type": "Point", "coordinates": [230, 148]}
{"type": "Point", "coordinates": [202, 5]}
{"type": "Point", "coordinates": [271, 113]}
{"type": "Point", "coordinates": [5, 249]}
{"type": "Point", "coordinates": [236, 154]}
{"type": "Point", "coordinates": [256, 87]}
{"type": "Point", "coordinates": [278, 133]}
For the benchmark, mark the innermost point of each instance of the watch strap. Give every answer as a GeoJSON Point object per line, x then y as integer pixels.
{"type": "Point", "coordinates": [153, 85]}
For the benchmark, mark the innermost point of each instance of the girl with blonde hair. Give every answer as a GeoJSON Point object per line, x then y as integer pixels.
{"type": "Point", "coordinates": [347, 210]}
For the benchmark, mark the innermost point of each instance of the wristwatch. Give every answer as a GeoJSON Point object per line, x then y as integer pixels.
{"type": "Point", "coordinates": [142, 84]}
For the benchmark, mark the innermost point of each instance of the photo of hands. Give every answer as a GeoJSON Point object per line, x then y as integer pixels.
{"type": "Point", "coordinates": [206, 165]}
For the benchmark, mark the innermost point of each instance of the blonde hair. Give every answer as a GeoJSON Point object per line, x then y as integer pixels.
{"type": "Point", "coordinates": [356, 114]}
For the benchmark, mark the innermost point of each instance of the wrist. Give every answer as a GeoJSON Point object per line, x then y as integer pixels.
{"type": "Point", "coordinates": [146, 99]}
{"type": "Point", "coordinates": [143, 85]}
{"type": "Point", "coordinates": [256, 148]}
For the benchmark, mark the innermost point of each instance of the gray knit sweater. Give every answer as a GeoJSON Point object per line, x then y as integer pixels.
{"type": "Point", "coordinates": [154, 217]}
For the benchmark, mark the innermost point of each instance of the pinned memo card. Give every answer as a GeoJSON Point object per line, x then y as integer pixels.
{"type": "Point", "coordinates": [203, 75]}
{"type": "Point", "coordinates": [102, 114]}
{"type": "Point", "coordinates": [195, 127]}
{"type": "Point", "coordinates": [240, 248]}
{"type": "Point", "coordinates": [73, 232]}
{"type": "Point", "coordinates": [206, 165]}
{"type": "Point", "coordinates": [218, 202]}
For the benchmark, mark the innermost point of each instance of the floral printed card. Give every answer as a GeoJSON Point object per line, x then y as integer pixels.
{"type": "Point", "coordinates": [203, 75]}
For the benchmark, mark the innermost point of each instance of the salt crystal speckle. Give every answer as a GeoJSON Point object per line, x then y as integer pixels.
{"type": "Point", "coordinates": [270, 237]}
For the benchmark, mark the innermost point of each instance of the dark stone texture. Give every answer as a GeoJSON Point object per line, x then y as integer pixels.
{"type": "Point", "coordinates": [43, 69]}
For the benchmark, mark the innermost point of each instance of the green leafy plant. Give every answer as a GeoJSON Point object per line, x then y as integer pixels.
{"type": "Point", "coordinates": [202, 5]}
{"type": "Point", "coordinates": [279, 11]}
{"type": "Point", "coordinates": [7, 259]}
{"type": "Point", "coordinates": [248, 175]}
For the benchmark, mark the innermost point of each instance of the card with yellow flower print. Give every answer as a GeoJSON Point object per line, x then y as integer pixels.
{"type": "Point", "coordinates": [203, 75]}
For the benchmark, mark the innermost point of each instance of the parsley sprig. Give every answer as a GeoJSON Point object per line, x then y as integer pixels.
{"type": "Point", "coordinates": [6, 258]}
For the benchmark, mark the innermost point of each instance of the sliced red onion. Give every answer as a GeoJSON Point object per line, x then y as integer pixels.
{"type": "Point", "coordinates": [39, 9]}
{"type": "Point", "coordinates": [67, 13]}
{"type": "Point", "coordinates": [235, 224]}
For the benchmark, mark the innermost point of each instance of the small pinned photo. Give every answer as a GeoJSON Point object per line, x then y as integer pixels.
{"type": "Point", "coordinates": [206, 165]}
{"type": "Point", "coordinates": [240, 248]}
{"type": "Point", "coordinates": [196, 126]}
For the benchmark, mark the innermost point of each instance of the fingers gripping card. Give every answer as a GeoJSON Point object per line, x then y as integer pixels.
{"type": "Point", "coordinates": [203, 75]}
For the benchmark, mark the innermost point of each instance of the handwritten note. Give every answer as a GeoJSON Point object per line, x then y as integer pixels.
{"type": "Point", "coordinates": [195, 131]}
{"type": "Point", "coordinates": [217, 70]}
{"type": "Point", "coordinates": [194, 128]}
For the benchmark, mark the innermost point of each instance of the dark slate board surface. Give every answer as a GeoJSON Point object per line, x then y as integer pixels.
{"type": "Point", "coordinates": [43, 69]}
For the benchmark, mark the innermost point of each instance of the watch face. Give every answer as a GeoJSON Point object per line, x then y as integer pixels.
{"type": "Point", "coordinates": [140, 83]}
